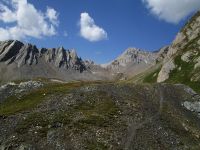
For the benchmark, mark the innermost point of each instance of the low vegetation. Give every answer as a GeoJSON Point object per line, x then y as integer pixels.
{"type": "Point", "coordinates": [152, 77]}
{"type": "Point", "coordinates": [15, 104]}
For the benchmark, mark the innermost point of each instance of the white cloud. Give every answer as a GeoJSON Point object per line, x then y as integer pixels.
{"type": "Point", "coordinates": [52, 15]}
{"type": "Point", "coordinates": [172, 11]}
{"type": "Point", "coordinates": [27, 20]}
{"type": "Point", "coordinates": [89, 30]}
{"type": "Point", "coordinates": [6, 15]}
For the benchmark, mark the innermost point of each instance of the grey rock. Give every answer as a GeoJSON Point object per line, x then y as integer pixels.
{"type": "Point", "coordinates": [192, 106]}
{"type": "Point", "coordinates": [186, 57]}
{"type": "Point", "coordinates": [164, 72]}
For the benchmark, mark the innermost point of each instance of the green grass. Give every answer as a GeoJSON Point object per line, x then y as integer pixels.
{"type": "Point", "coordinates": [94, 113]}
{"type": "Point", "coordinates": [151, 77]}
{"type": "Point", "coordinates": [97, 113]}
{"type": "Point", "coordinates": [95, 145]}
{"type": "Point", "coordinates": [42, 121]}
{"type": "Point", "coordinates": [184, 71]}
{"type": "Point", "coordinates": [184, 75]}
{"type": "Point", "coordinates": [33, 120]}
{"type": "Point", "coordinates": [14, 104]}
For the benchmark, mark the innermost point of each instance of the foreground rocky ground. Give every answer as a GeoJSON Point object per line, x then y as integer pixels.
{"type": "Point", "coordinates": [94, 115]}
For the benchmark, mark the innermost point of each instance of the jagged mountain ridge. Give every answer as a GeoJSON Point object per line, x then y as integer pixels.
{"type": "Point", "coordinates": [27, 54]}
{"type": "Point", "coordinates": [20, 61]}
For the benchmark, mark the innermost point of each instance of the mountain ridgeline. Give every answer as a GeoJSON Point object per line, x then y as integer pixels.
{"type": "Point", "coordinates": [178, 62]}
{"type": "Point", "coordinates": [20, 61]}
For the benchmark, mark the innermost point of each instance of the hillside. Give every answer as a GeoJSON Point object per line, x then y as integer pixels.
{"type": "Point", "coordinates": [95, 115]}
{"type": "Point", "coordinates": [181, 63]}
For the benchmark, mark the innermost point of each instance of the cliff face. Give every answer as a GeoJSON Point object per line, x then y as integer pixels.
{"type": "Point", "coordinates": [27, 54]}
{"type": "Point", "coordinates": [20, 61]}
{"type": "Point", "coordinates": [182, 60]}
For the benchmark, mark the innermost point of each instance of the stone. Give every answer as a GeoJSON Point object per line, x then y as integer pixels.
{"type": "Point", "coordinates": [165, 71]}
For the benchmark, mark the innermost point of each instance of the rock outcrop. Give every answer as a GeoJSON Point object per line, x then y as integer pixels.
{"type": "Point", "coordinates": [27, 54]}
{"type": "Point", "coordinates": [183, 52]}
{"type": "Point", "coordinates": [24, 61]}
{"type": "Point", "coordinates": [65, 59]}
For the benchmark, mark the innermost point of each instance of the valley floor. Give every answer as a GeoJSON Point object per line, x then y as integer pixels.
{"type": "Point", "coordinates": [96, 115]}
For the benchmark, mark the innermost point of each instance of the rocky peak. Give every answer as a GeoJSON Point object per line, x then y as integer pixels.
{"type": "Point", "coordinates": [28, 54]}
{"type": "Point", "coordinates": [63, 58]}
{"type": "Point", "coordinates": [73, 54]}
{"type": "Point", "coordinates": [9, 49]}
{"type": "Point", "coordinates": [132, 56]}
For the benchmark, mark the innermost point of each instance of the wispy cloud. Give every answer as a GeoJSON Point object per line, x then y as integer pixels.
{"type": "Point", "coordinates": [172, 11]}
{"type": "Point", "coordinates": [27, 20]}
{"type": "Point", "coordinates": [89, 30]}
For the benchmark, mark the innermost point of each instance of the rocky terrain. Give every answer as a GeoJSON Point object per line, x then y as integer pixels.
{"type": "Point", "coordinates": [96, 115]}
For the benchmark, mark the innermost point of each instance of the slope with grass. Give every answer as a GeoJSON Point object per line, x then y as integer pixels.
{"type": "Point", "coordinates": [97, 115]}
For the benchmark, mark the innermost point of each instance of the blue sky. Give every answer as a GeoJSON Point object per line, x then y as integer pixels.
{"type": "Point", "coordinates": [125, 23]}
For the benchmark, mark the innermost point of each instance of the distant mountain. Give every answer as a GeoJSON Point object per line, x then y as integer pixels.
{"type": "Point", "coordinates": [134, 61]}
{"type": "Point", "coordinates": [20, 61]}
